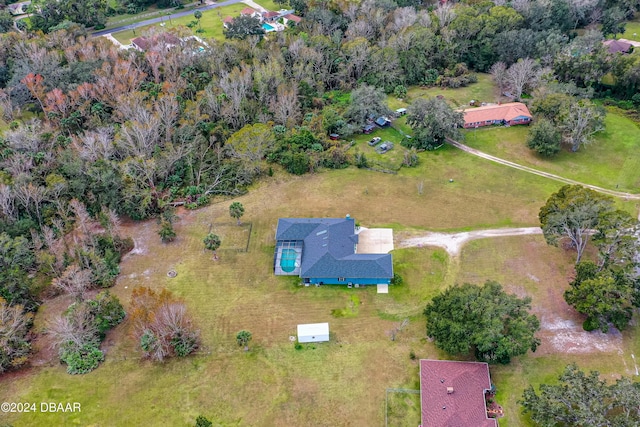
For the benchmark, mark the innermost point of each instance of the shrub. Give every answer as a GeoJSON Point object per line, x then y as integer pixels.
{"type": "Point", "coordinates": [83, 359]}
{"type": "Point", "coordinates": [107, 311]}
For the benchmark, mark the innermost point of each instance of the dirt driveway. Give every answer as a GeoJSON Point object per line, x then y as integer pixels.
{"type": "Point", "coordinates": [453, 242]}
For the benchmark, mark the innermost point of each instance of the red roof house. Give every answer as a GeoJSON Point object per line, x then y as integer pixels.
{"type": "Point", "coordinates": [452, 394]}
{"type": "Point", "coordinates": [292, 17]}
{"type": "Point", "coordinates": [247, 11]}
{"type": "Point", "coordinates": [617, 46]}
{"type": "Point", "coordinates": [512, 113]}
{"type": "Point", "coordinates": [270, 16]}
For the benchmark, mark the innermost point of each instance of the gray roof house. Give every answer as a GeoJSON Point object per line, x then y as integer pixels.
{"type": "Point", "coordinates": [323, 251]}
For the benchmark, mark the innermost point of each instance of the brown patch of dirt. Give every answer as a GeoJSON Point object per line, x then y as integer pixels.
{"type": "Point", "coordinates": [561, 329]}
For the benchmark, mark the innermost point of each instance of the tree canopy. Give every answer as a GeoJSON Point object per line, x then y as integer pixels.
{"type": "Point", "coordinates": [581, 399]}
{"type": "Point", "coordinates": [572, 212]}
{"type": "Point", "coordinates": [242, 27]}
{"type": "Point", "coordinates": [485, 320]}
{"type": "Point", "coordinates": [432, 120]}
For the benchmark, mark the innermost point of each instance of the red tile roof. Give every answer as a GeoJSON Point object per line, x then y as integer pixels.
{"type": "Point", "coordinates": [228, 20]}
{"type": "Point", "coordinates": [270, 14]}
{"type": "Point", "coordinates": [452, 394]}
{"type": "Point", "coordinates": [504, 112]}
{"type": "Point", "coordinates": [294, 18]}
{"type": "Point", "coordinates": [141, 42]}
{"type": "Point", "coordinates": [247, 11]}
{"type": "Point", "coordinates": [617, 46]}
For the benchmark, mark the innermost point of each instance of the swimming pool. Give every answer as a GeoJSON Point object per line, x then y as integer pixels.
{"type": "Point", "coordinates": [288, 260]}
{"type": "Point", "coordinates": [267, 27]}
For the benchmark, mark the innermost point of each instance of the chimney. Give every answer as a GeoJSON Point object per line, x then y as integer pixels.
{"type": "Point", "coordinates": [449, 390]}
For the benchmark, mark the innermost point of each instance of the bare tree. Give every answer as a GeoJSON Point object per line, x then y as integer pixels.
{"type": "Point", "coordinates": [31, 196]}
{"type": "Point", "coordinates": [95, 145]}
{"type": "Point", "coordinates": [75, 329]}
{"type": "Point", "coordinates": [358, 52]}
{"type": "Point", "coordinates": [285, 108]}
{"type": "Point", "coordinates": [581, 122]}
{"type": "Point", "coordinates": [522, 75]}
{"type": "Point", "coordinates": [499, 73]}
{"type": "Point", "coordinates": [14, 325]}
{"type": "Point", "coordinates": [74, 281]}
{"type": "Point", "coordinates": [9, 111]}
{"type": "Point", "coordinates": [403, 17]}
{"type": "Point", "coordinates": [167, 109]}
{"type": "Point", "coordinates": [445, 14]}
{"type": "Point", "coordinates": [236, 86]}
{"type": "Point", "coordinates": [7, 203]}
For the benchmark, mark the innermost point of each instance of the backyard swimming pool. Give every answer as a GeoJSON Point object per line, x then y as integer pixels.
{"type": "Point", "coordinates": [267, 27]}
{"type": "Point", "coordinates": [288, 260]}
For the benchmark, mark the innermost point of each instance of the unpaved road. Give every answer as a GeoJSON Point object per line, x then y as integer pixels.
{"type": "Point", "coordinates": [453, 242]}
{"type": "Point", "coordinates": [466, 148]}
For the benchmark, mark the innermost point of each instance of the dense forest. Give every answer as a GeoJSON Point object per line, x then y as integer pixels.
{"type": "Point", "coordinates": [94, 133]}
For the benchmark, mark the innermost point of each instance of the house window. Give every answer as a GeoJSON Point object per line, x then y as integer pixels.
{"type": "Point", "coordinates": [341, 279]}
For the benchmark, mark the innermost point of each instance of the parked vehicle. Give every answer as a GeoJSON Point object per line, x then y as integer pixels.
{"type": "Point", "coordinates": [374, 141]}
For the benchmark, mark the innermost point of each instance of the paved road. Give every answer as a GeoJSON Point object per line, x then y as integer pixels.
{"type": "Point", "coordinates": [164, 18]}
{"type": "Point", "coordinates": [463, 147]}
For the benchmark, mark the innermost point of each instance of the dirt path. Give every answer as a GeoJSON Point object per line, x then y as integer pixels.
{"type": "Point", "coordinates": [466, 148]}
{"type": "Point", "coordinates": [453, 242]}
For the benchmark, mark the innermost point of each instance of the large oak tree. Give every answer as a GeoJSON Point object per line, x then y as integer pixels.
{"type": "Point", "coordinates": [495, 325]}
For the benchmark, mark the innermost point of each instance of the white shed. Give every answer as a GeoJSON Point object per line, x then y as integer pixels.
{"type": "Point", "coordinates": [313, 332]}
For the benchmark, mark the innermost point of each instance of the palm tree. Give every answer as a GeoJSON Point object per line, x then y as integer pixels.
{"type": "Point", "coordinates": [212, 242]}
{"type": "Point", "coordinates": [236, 210]}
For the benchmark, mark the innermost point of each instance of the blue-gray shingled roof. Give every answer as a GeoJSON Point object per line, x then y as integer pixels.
{"type": "Point", "coordinates": [328, 249]}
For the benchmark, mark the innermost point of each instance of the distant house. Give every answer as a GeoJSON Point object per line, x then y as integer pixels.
{"type": "Point", "coordinates": [453, 394]}
{"type": "Point", "coordinates": [162, 41]}
{"type": "Point", "coordinates": [512, 113]}
{"type": "Point", "coordinates": [401, 111]}
{"type": "Point", "coordinates": [247, 11]}
{"type": "Point", "coordinates": [226, 21]}
{"type": "Point", "coordinates": [618, 46]}
{"type": "Point", "coordinates": [291, 17]}
{"type": "Point", "coordinates": [322, 251]}
{"type": "Point", "coordinates": [383, 121]}
{"type": "Point", "coordinates": [270, 16]}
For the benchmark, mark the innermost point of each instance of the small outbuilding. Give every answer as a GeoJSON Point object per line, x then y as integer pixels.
{"type": "Point", "coordinates": [383, 121]}
{"type": "Point", "coordinates": [313, 332]}
{"type": "Point", "coordinates": [368, 128]}
{"type": "Point", "coordinates": [401, 111]}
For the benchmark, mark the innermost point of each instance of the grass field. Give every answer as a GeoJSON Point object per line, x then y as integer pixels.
{"type": "Point", "coordinates": [484, 91]}
{"type": "Point", "coordinates": [342, 382]}
{"type": "Point", "coordinates": [543, 277]}
{"type": "Point", "coordinates": [211, 22]}
{"type": "Point", "coordinates": [392, 159]}
{"type": "Point", "coordinates": [611, 161]}
{"type": "Point", "coordinates": [631, 31]}
{"type": "Point", "coordinates": [339, 383]}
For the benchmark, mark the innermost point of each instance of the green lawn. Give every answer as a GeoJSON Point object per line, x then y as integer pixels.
{"type": "Point", "coordinates": [211, 22]}
{"type": "Point", "coordinates": [392, 159]}
{"type": "Point", "coordinates": [527, 266]}
{"type": "Point", "coordinates": [484, 91]}
{"type": "Point", "coordinates": [611, 161]}
{"type": "Point", "coordinates": [336, 383]}
{"type": "Point", "coordinates": [632, 31]}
